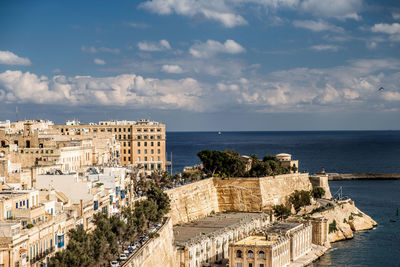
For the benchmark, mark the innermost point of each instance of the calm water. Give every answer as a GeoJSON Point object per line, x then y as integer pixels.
{"type": "Point", "coordinates": [336, 151]}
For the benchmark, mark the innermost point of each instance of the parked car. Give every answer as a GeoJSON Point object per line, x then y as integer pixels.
{"type": "Point", "coordinates": [114, 264]}
{"type": "Point", "coordinates": [123, 257]}
{"type": "Point", "coordinates": [126, 252]}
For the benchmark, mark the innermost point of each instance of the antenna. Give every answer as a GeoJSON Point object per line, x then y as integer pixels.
{"type": "Point", "coordinates": [16, 113]}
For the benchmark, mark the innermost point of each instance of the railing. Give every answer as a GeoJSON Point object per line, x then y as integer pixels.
{"type": "Point", "coordinates": [42, 255]}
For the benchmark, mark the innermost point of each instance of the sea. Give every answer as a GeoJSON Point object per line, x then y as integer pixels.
{"type": "Point", "coordinates": [336, 152]}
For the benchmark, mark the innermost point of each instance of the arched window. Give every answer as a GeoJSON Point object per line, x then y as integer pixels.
{"type": "Point", "coordinates": [238, 253]}
{"type": "Point", "coordinates": [3, 143]}
{"type": "Point", "coordinates": [250, 254]}
{"type": "Point", "coordinates": [261, 255]}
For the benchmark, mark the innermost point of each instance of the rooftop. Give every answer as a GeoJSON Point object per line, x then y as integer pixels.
{"type": "Point", "coordinates": [282, 227]}
{"type": "Point", "coordinates": [212, 224]}
{"type": "Point", "coordinates": [255, 241]}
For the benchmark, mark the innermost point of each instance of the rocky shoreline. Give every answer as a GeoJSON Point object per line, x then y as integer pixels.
{"type": "Point", "coordinates": [348, 219]}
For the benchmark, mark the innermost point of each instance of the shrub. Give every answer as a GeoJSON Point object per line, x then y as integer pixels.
{"type": "Point", "coordinates": [281, 211]}
{"type": "Point", "coordinates": [317, 192]}
{"type": "Point", "coordinates": [332, 226]}
{"type": "Point", "coordinates": [300, 199]}
{"type": "Point", "coordinates": [29, 225]}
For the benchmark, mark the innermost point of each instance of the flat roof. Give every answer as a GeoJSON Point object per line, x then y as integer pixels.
{"type": "Point", "coordinates": [255, 240]}
{"type": "Point", "coordinates": [209, 225]}
{"type": "Point", "coordinates": [282, 227]}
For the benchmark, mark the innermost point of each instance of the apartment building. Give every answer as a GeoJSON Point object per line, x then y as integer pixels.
{"type": "Point", "coordinates": [142, 143]}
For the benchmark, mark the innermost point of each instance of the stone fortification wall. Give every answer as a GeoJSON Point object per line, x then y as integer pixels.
{"type": "Point", "coordinates": [199, 199]}
{"type": "Point", "coordinates": [239, 194]}
{"type": "Point", "coordinates": [193, 201]}
{"type": "Point", "coordinates": [276, 189]}
{"type": "Point", "coordinates": [321, 181]}
{"type": "Point", "coordinates": [257, 194]}
{"type": "Point", "coordinates": [157, 251]}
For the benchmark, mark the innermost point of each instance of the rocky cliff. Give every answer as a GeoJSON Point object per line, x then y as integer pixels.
{"type": "Point", "coordinates": [348, 219]}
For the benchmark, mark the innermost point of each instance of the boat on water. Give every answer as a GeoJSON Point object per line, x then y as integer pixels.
{"type": "Point", "coordinates": [219, 133]}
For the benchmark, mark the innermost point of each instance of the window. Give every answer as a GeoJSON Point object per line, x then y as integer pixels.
{"type": "Point", "coordinates": [124, 143]}
{"type": "Point", "coordinates": [261, 265]}
{"type": "Point", "coordinates": [238, 253]}
{"type": "Point", "coordinates": [138, 151]}
{"type": "Point", "coordinates": [250, 264]}
{"type": "Point", "coordinates": [145, 151]}
{"type": "Point", "coordinates": [124, 151]}
{"type": "Point", "coordinates": [145, 159]}
{"type": "Point", "coordinates": [159, 158]}
{"type": "Point", "coordinates": [158, 144]}
{"type": "Point", "coordinates": [239, 264]}
{"type": "Point", "coordinates": [261, 255]}
{"type": "Point", "coordinates": [145, 143]}
{"type": "Point", "coordinates": [129, 159]}
{"type": "Point", "coordinates": [158, 151]}
{"type": "Point", "coordinates": [138, 158]}
{"type": "Point", "coordinates": [152, 151]}
{"type": "Point", "coordinates": [152, 143]}
{"type": "Point", "coordinates": [250, 254]}
{"type": "Point", "coordinates": [119, 129]}
{"type": "Point", "coordinates": [124, 158]}
{"type": "Point", "coordinates": [138, 143]}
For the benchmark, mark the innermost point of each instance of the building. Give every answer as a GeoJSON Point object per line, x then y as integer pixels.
{"type": "Point", "coordinates": [279, 245]}
{"type": "Point", "coordinates": [205, 241]}
{"type": "Point", "coordinates": [286, 161]}
{"type": "Point", "coordinates": [142, 143]}
{"type": "Point", "coordinates": [260, 251]}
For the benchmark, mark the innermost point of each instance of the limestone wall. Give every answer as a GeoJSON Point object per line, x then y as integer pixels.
{"type": "Point", "coordinates": [199, 199]}
{"type": "Point", "coordinates": [276, 189]}
{"type": "Point", "coordinates": [239, 194]}
{"type": "Point", "coordinates": [257, 194]}
{"type": "Point", "coordinates": [157, 251]}
{"type": "Point", "coordinates": [193, 201]}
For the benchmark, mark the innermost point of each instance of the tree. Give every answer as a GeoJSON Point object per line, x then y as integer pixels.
{"type": "Point", "coordinates": [317, 192]}
{"type": "Point", "coordinates": [281, 211]}
{"type": "Point", "coordinates": [227, 163]}
{"type": "Point", "coordinates": [299, 199]}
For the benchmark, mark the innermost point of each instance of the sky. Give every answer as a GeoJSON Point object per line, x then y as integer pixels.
{"type": "Point", "coordinates": [200, 65]}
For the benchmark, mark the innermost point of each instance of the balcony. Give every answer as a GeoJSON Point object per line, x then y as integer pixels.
{"type": "Point", "coordinates": [42, 255]}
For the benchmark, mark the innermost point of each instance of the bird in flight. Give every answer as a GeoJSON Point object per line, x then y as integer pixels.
{"type": "Point", "coordinates": [381, 88]}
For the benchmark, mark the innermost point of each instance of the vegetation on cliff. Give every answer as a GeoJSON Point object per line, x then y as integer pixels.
{"type": "Point", "coordinates": [102, 245]}
{"type": "Point", "coordinates": [230, 164]}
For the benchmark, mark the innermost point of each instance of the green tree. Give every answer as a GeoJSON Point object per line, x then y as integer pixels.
{"type": "Point", "coordinates": [317, 192]}
{"type": "Point", "coordinates": [281, 211]}
{"type": "Point", "coordinates": [299, 199]}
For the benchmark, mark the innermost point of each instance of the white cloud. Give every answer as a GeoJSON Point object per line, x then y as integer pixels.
{"type": "Point", "coordinates": [325, 47]}
{"type": "Point", "coordinates": [123, 90]}
{"type": "Point", "coordinates": [393, 30]}
{"type": "Point", "coordinates": [386, 28]}
{"type": "Point", "coordinates": [211, 47]}
{"type": "Point", "coordinates": [9, 58]}
{"type": "Point", "coordinates": [227, 12]}
{"type": "Point", "coordinates": [154, 46]}
{"type": "Point", "coordinates": [213, 10]}
{"type": "Point", "coordinates": [99, 61]}
{"type": "Point", "coordinates": [317, 26]}
{"type": "Point", "coordinates": [176, 69]}
{"type": "Point", "coordinates": [340, 9]}
{"type": "Point", "coordinates": [93, 50]}
{"type": "Point", "coordinates": [396, 15]}
{"type": "Point", "coordinates": [391, 96]}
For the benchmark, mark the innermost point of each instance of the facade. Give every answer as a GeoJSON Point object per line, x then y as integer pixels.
{"type": "Point", "coordinates": [207, 240]}
{"type": "Point", "coordinates": [280, 244]}
{"type": "Point", "coordinates": [286, 161]}
{"type": "Point", "coordinates": [260, 251]}
{"type": "Point", "coordinates": [142, 143]}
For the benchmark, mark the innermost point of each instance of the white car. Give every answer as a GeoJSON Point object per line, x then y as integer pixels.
{"type": "Point", "coordinates": [123, 257]}
{"type": "Point", "coordinates": [114, 264]}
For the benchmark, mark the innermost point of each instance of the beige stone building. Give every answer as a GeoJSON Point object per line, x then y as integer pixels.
{"type": "Point", "coordinates": [260, 251]}
{"type": "Point", "coordinates": [286, 161]}
{"type": "Point", "coordinates": [142, 143]}
{"type": "Point", "coordinates": [205, 241]}
{"type": "Point", "coordinates": [281, 244]}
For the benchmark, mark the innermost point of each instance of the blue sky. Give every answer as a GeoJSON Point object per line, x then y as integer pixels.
{"type": "Point", "coordinates": [204, 65]}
